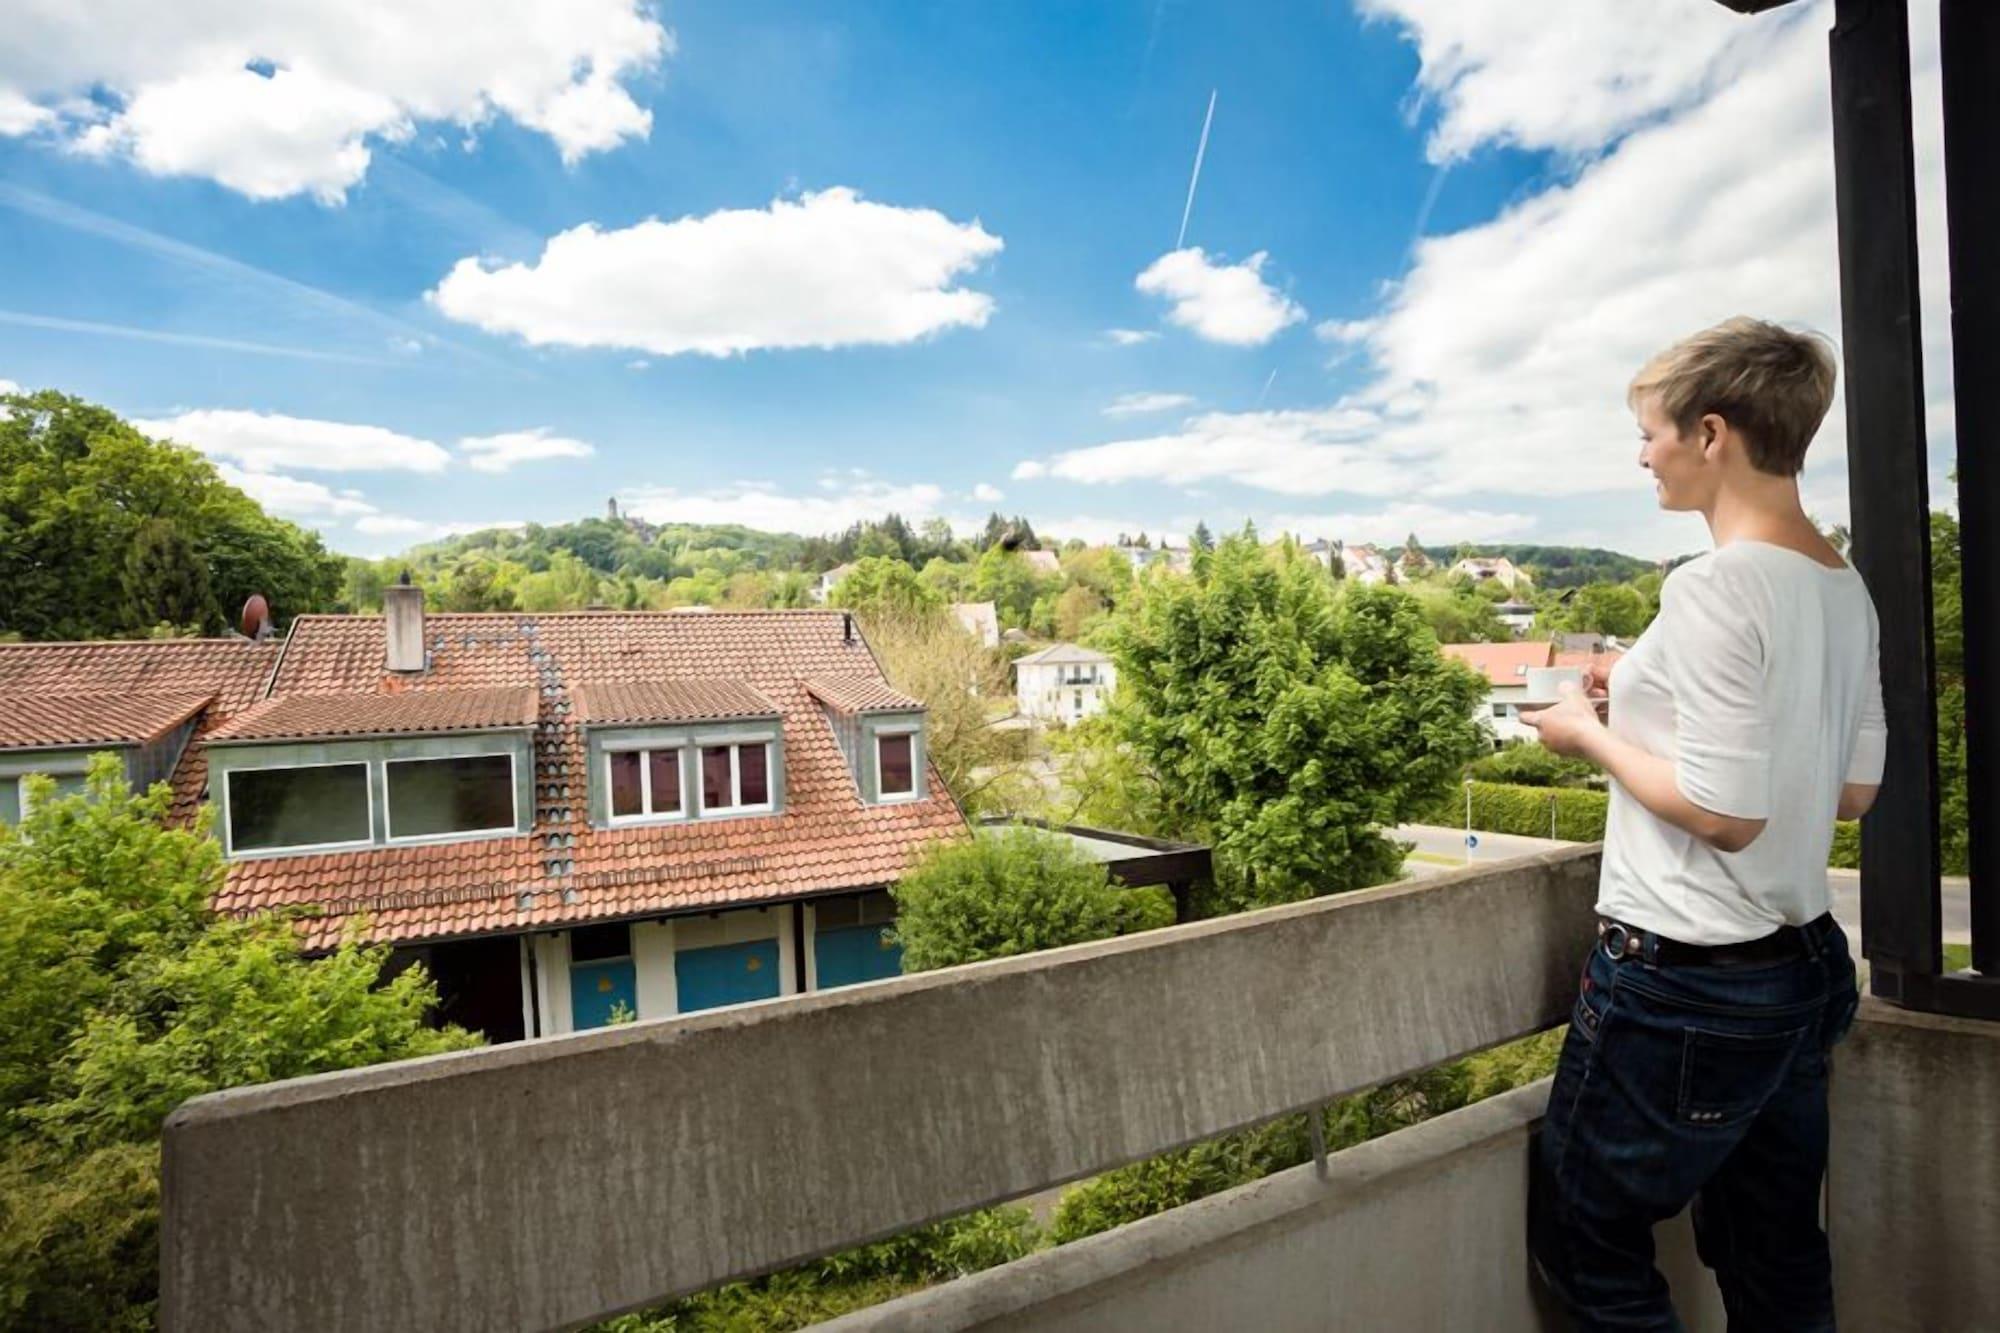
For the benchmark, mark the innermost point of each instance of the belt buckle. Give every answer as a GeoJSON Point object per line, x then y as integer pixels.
{"type": "Point", "coordinates": [1616, 941]}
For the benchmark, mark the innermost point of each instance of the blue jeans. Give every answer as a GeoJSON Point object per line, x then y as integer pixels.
{"type": "Point", "coordinates": [1703, 1085]}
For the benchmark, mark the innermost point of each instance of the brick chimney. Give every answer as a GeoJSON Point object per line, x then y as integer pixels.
{"type": "Point", "coordinates": [403, 615]}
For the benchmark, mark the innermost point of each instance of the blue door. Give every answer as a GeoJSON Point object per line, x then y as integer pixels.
{"type": "Point", "coordinates": [596, 988]}
{"type": "Point", "coordinates": [854, 954]}
{"type": "Point", "coordinates": [726, 974]}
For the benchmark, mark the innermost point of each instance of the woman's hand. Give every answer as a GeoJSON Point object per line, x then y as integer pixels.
{"type": "Point", "coordinates": [1569, 726]}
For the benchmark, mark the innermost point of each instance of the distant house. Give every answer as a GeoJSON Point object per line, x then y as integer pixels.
{"type": "Point", "coordinates": [569, 818]}
{"type": "Point", "coordinates": [830, 580]}
{"type": "Point", "coordinates": [1482, 569]}
{"type": "Point", "coordinates": [1064, 683]}
{"type": "Point", "coordinates": [1179, 559]}
{"type": "Point", "coordinates": [1364, 563]}
{"type": "Point", "coordinates": [1043, 562]}
{"type": "Point", "coordinates": [1505, 666]}
{"type": "Point", "coordinates": [980, 619]}
{"type": "Point", "coordinates": [1516, 616]}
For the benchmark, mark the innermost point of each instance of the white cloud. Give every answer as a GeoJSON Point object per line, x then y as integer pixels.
{"type": "Point", "coordinates": [268, 441]}
{"type": "Point", "coordinates": [1576, 76]}
{"type": "Point", "coordinates": [289, 98]}
{"type": "Point", "coordinates": [763, 506]}
{"type": "Point", "coordinates": [1497, 365]}
{"type": "Point", "coordinates": [1030, 469]}
{"type": "Point", "coordinates": [8, 386]}
{"type": "Point", "coordinates": [394, 525]}
{"type": "Point", "coordinates": [293, 497]}
{"type": "Point", "coordinates": [986, 494]}
{"type": "Point", "coordinates": [1130, 337]}
{"type": "Point", "coordinates": [499, 453]}
{"type": "Point", "coordinates": [1225, 303]}
{"type": "Point", "coordinates": [1139, 404]}
{"type": "Point", "coordinates": [1392, 523]}
{"type": "Point", "coordinates": [829, 269]}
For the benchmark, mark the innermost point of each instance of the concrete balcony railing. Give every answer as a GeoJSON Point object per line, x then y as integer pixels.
{"type": "Point", "coordinates": [548, 1183]}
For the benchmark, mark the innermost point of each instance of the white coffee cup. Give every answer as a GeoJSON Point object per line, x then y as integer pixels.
{"type": "Point", "coordinates": [1545, 683]}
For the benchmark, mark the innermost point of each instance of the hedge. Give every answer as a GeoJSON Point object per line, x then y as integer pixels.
{"type": "Point", "coordinates": [1501, 808]}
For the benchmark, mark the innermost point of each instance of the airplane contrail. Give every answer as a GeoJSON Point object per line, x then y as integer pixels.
{"type": "Point", "coordinates": [1201, 150]}
{"type": "Point", "coordinates": [1269, 380]}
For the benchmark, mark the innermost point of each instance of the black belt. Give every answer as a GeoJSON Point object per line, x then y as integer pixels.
{"type": "Point", "coordinates": [1782, 945]}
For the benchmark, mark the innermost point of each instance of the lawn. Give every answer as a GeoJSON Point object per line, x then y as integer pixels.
{"type": "Point", "coordinates": [1957, 957]}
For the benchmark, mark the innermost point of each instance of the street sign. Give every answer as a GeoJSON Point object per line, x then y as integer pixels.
{"type": "Point", "coordinates": [1472, 840]}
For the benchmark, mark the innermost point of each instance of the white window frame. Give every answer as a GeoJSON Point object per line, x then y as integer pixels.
{"type": "Point", "coordinates": [300, 849]}
{"type": "Point", "coordinates": [21, 801]}
{"type": "Point", "coordinates": [513, 803]}
{"type": "Point", "coordinates": [646, 814]}
{"type": "Point", "coordinates": [735, 779]}
{"type": "Point", "coordinates": [916, 758]}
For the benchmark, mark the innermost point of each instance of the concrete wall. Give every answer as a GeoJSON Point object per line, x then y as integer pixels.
{"type": "Point", "coordinates": [1422, 1229]}
{"type": "Point", "coordinates": [1914, 1184]}
{"type": "Point", "coordinates": [549, 1182]}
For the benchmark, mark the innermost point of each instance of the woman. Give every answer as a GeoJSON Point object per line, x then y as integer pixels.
{"type": "Point", "coordinates": [1745, 719]}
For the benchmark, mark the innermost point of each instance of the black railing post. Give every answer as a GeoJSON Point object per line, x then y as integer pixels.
{"type": "Point", "coordinates": [1971, 68]}
{"type": "Point", "coordinates": [1875, 191]}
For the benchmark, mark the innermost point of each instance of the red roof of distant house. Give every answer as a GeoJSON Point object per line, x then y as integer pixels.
{"type": "Point", "coordinates": [635, 703]}
{"type": "Point", "coordinates": [860, 694]}
{"type": "Point", "coordinates": [567, 871]}
{"type": "Point", "coordinates": [1503, 663]}
{"type": "Point", "coordinates": [1600, 662]}
{"type": "Point", "coordinates": [414, 712]}
{"type": "Point", "coordinates": [70, 721]}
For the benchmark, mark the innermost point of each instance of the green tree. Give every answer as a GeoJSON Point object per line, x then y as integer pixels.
{"type": "Point", "coordinates": [1004, 893]}
{"type": "Point", "coordinates": [1605, 608]}
{"type": "Point", "coordinates": [1458, 617]}
{"type": "Point", "coordinates": [1076, 610]}
{"type": "Point", "coordinates": [124, 998]}
{"type": "Point", "coordinates": [1005, 579]}
{"type": "Point", "coordinates": [1202, 540]}
{"type": "Point", "coordinates": [165, 580]}
{"type": "Point", "coordinates": [473, 586]}
{"type": "Point", "coordinates": [568, 584]}
{"type": "Point", "coordinates": [79, 486]}
{"type": "Point", "coordinates": [1285, 723]}
{"type": "Point", "coordinates": [880, 589]}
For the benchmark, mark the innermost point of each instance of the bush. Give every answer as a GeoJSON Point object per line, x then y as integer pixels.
{"type": "Point", "coordinates": [1846, 853]}
{"type": "Point", "coordinates": [1504, 808]}
{"type": "Point", "coordinates": [1531, 764]}
{"type": "Point", "coordinates": [1003, 893]}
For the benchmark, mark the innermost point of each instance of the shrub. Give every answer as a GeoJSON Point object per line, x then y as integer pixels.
{"type": "Point", "coordinates": [1504, 808]}
{"type": "Point", "coordinates": [1531, 764]}
{"type": "Point", "coordinates": [1003, 893]}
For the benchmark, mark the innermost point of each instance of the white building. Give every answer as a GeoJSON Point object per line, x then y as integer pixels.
{"type": "Point", "coordinates": [980, 619]}
{"type": "Point", "coordinates": [1498, 568]}
{"type": "Point", "coordinates": [1364, 563]}
{"type": "Point", "coordinates": [1064, 683]}
{"type": "Point", "coordinates": [829, 581]}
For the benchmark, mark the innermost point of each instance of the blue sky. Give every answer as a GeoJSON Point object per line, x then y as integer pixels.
{"type": "Point", "coordinates": [917, 256]}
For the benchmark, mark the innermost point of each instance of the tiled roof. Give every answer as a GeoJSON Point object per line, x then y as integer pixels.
{"type": "Point", "coordinates": [825, 838]}
{"type": "Point", "coordinates": [1503, 663]}
{"type": "Point", "coordinates": [54, 721]}
{"type": "Point", "coordinates": [861, 694]}
{"type": "Point", "coordinates": [234, 670]}
{"type": "Point", "coordinates": [627, 703]}
{"type": "Point", "coordinates": [1600, 662]}
{"type": "Point", "coordinates": [411, 712]}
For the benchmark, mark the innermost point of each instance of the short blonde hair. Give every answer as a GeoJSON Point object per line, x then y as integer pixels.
{"type": "Point", "coordinates": [1770, 383]}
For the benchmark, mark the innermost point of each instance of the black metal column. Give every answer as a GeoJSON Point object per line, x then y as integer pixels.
{"type": "Point", "coordinates": [1875, 191]}
{"type": "Point", "coordinates": [1971, 67]}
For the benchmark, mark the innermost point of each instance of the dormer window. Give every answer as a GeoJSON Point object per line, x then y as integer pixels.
{"type": "Point", "coordinates": [645, 784]}
{"type": "Point", "coordinates": [896, 765]}
{"type": "Point", "coordinates": [736, 777]}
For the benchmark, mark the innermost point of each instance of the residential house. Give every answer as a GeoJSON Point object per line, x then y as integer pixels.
{"type": "Point", "coordinates": [980, 619]}
{"type": "Point", "coordinates": [568, 817]}
{"type": "Point", "coordinates": [827, 582]}
{"type": "Point", "coordinates": [1178, 559]}
{"type": "Point", "coordinates": [1498, 568]}
{"type": "Point", "coordinates": [1518, 617]}
{"type": "Point", "coordinates": [1045, 563]}
{"type": "Point", "coordinates": [1064, 683]}
{"type": "Point", "coordinates": [1506, 666]}
{"type": "Point", "coordinates": [1364, 563]}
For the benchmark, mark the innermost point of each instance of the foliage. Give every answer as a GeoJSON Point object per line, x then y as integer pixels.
{"type": "Point", "coordinates": [880, 589]}
{"type": "Point", "coordinates": [960, 681]}
{"type": "Point", "coordinates": [1284, 722]}
{"type": "Point", "coordinates": [105, 533]}
{"type": "Point", "coordinates": [1531, 764]}
{"type": "Point", "coordinates": [1458, 616]}
{"type": "Point", "coordinates": [1602, 608]}
{"type": "Point", "coordinates": [1005, 579]}
{"type": "Point", "coordinates": [124, 998]}
{"type": "Point", "coordinates": [1002, 893]}
{"type": "Point", "coordinates": [849, 1280]}
{"type": "Point", "coordinates": [1502, 808]}
{"type": "Point", "coordinates": [1948, 639]}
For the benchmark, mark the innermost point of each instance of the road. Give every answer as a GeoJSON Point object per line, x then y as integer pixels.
{"type": "Point", "coordinates": [1844, 885]}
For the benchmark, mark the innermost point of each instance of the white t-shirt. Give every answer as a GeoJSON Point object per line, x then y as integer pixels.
{"type": "Point", "coordinates": [1759, 679]}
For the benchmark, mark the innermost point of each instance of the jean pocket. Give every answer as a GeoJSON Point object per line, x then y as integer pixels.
{"type": "Point", "coordinates": [1726, 1077]}
{"type": "Point", "coordinates": [1841, 1010]}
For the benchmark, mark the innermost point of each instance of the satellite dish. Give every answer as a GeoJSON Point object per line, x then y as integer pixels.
{"type": "Point", "coordinates": [256, 622]}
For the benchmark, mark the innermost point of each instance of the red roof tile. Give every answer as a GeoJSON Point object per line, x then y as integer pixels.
{"type": "Point", "coordinates": [55, 721]}
{"type": "Point", "coordinates": [417, 711]}
{"type": "Point", "coordinates": [860, 694]}
{"type": "Point", "coordinates": [626, 703]}
{"type": "Point", "coordinates": [1503, 663]}
{"type": "Point", "coordinates": [825, 838]}
{"type": "Point", "coordinates": [234, 670]}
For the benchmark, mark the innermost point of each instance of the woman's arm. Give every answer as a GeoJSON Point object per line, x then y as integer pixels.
{"type": "Point", "coordinates": [1572, 727]}
{"type": "Point", "coordinates": [1857, 799]}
